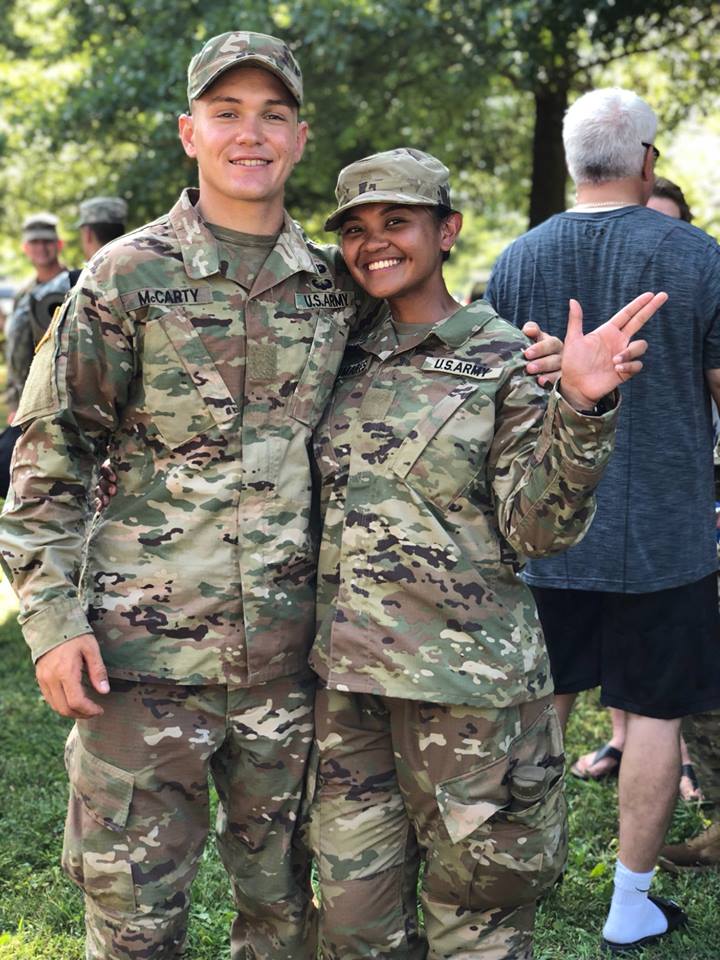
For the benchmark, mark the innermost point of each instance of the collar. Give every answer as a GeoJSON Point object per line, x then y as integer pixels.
{"type": "Point", "coordinates": [454, 331]}
{"type": "Point", "coordinates": [201, 254]}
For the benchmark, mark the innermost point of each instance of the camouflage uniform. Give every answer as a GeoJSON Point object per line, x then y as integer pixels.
{"type": "Point", "coordinates": [439, 459]}
{"type": "Point", "coordinates": [198, 580]}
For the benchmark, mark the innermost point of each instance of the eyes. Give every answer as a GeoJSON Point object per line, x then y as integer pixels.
{"type": "Point", "coordinates": [356, 229]}
{"type": "Point", "coordinates": [269, 115]}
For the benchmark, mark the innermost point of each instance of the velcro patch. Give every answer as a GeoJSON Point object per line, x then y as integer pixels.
{"type": "Point", "coordinates": [327, 300]}
{"type": "Point", "coordinates": [461, 368]}
{"type": "Point", "coordinates": [166, 296]}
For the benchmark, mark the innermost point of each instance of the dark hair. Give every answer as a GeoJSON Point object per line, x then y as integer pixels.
{"type": "Point", "coordinates": [441, 212]}
{"type": "Point", "coordinates": [105, 232]}
{"type": "Point", "coordinates": [671, 191]}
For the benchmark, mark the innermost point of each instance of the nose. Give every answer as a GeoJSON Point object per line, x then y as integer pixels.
{"type": "Point", "coordinates": [375, 241]}
{"type": "Point", "coordinates": [248, 130]}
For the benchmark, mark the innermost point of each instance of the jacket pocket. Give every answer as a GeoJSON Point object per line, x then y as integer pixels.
{"type": "Point", "coordinates": [185, 394]}
{"type": "Point", "coordinates": [318, 377]}
{"type": "Point", "coordinates": [95, 852]}
{"type": "Point", "coordinates": [507, 822]}
{"type": "Point", "coordinates": [441, 455]}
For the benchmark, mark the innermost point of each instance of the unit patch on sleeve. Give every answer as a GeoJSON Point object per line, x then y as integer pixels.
{"type": "Point", "coordinates": [461, 368]}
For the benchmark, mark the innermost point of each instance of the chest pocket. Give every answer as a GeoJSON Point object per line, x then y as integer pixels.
{"type": "Point", "coordinates": [184, 392]}
{"type": "Point", "coordinates": [318, 377]}
{"type": "Point", "coordinates": [440, 457]}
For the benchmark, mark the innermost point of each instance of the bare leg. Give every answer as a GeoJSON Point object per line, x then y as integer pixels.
{"type": "Point", "coordinates": [563, 705]}
{"type": "Point", "coordinates": [586, 766]}
{"type": "Point", "coordinates": [648, 788]}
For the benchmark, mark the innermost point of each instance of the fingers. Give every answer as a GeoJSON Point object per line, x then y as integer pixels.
{"type": "Point", "coordinates": [532, 331]}
{"type": "Point", "coordinates": [633, 350]}
{"type": "Point", "coordinates": [575, 317]}
{"type": "Point", "coordinates": [635, 314]}
{"type": "Point", "coordinates": [627, 370]}
{"type": "Point", "coordinates": [59, 675]}
{"type": "Point", "coordinates": [96, 668]}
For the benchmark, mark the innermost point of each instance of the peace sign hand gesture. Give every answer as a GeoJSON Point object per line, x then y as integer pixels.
{"type": "Point", "coordinates": [593, 364]}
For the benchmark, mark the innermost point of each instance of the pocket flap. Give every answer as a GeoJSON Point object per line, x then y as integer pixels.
{"type": "Point", "coordinates": [468, 801]}
{"type": "Point", "coordinates": [105, 790]}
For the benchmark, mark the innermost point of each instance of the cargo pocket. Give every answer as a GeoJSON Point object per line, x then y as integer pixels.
{"type": "Point", "coordinates": [96, 855]}
{"type": "Point", "coordinates": [185, 395]}
{"type": "Point", "coordinates": [507, 823]}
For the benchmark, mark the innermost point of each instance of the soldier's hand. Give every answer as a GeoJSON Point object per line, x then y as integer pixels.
{"type": "Point", "coordinates": [545, 354]}
{"type": "Point", "coordinates": [106, 486]}
{"type": "Point", "coordinates": [59, 674]}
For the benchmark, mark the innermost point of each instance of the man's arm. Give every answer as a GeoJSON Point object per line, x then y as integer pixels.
{"type": "Point", "coordinates": [712, 378]}
{"type": "Point", "coordinates": [78, 383]}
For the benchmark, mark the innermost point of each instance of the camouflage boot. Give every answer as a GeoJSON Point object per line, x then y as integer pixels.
{"type": "Point", "coordinates": [700, 853]}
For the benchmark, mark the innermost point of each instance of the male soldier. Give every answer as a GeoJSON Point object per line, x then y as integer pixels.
{"type": "Point", "coordinates": [198, 352]}
{"type": "Point", "coordinates": [41, 245]}
{"type": "Point", "coordinates": [102, 219]}
{"type": "Point", "coordinates": [640, 595]}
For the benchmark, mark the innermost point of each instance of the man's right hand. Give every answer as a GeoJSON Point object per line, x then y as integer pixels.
{"type": "Point", "coordinates": [59, 674]}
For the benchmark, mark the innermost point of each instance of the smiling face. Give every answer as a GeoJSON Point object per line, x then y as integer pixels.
{"type": "Point", "coordinates": [42, 254]}
{"type": "Point", "coordinates": [245, 135]}
{"type": "Point", "coordinates": [395, 251]}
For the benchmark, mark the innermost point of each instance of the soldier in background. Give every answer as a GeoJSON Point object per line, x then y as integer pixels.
{"type": "Point", "coordinates": [41, 245]}
{"type": "Point", "coordinates": [101, 220]}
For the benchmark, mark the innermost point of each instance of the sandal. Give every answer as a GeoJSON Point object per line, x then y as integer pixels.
{"type": "Point", "coordinates": [605, 752]}
{"type": "Point", "coordinates": [694, 794]}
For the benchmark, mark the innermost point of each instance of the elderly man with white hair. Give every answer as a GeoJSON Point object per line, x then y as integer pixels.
{"type": "Point", "coordinates": [633, 608]}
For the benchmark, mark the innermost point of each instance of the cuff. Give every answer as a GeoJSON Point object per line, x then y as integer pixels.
{"type": "Point", "coordinates": [58, 620]}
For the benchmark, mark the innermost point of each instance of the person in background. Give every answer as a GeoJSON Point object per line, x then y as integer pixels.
{"type": "Point", "coordinates": [633, 608]}
{"type": "Point", "coordinates": [101, 220]}
{"type": "Point", "coordinates": [41, 245]}
{"type": "Point", "coordinates": [666, 197]}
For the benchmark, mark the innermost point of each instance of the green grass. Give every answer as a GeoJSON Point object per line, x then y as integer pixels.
{"type": "Point", "coordinates": [41, 912]}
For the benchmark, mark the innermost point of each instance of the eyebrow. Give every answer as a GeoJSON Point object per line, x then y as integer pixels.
{"type": "Point", "coordinates": [268, 103]}
{"type": "Point", "coordinates": [388, 208]}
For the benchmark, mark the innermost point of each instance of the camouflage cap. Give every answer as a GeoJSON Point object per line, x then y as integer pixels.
{"type": "Point", "coordinates": [40, 226]}
{"type": "Point", "coordinates": [238, 49]}
{"type": "Point", "coordinates": [394, 176]}
{"type": "Point", "coordinates": [102, 210]}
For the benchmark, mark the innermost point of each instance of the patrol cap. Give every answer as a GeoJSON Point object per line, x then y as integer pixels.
{"type": "Point", "coordinates": [238, 49]}
{"type": "Point", "coordinates": [40, 226]}
{"type": "Point", "coordinates": [102, 210]}
{"type": "Point", "coordinates": [404, 175]}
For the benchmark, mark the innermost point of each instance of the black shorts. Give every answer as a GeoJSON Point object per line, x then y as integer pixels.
{"type": "Point", "coordinates": [653, 654]}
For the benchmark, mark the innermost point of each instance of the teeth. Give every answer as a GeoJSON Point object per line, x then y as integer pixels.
{"type": "Point", "coordinates": [383, 264]}
{"type": "Point", "coordinates": [249, 163]}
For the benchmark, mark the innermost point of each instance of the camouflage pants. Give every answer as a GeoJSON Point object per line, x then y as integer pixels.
{"type": "Point", "coordinates": [476, 794]}
{"type": "Point", "coordinates": [702, 735]}
{"type": "Point", "coordinates": [138, 815]}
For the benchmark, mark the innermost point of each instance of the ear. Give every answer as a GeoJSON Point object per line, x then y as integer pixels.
{"type": "Point", "coordinates": [186, 132]}
{"type": "Point", "coordinates": [648, 167]}
{"type": "Point", "coordinates": [449, 230]}
{"type": "Point", "coordinates": [301, 139]}
{"type": "Point", "coordinates": [60, 244]}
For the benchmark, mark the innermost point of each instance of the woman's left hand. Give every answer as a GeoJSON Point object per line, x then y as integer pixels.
{"type": "Point", "coordinates": [594, 364]}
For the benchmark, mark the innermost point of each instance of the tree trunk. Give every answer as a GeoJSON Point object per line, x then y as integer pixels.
{"type": "Point", "coordinates": [547, 194]}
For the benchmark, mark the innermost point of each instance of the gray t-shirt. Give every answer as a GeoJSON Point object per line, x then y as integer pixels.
{"type": "Point", "coordinates": [655, 523]}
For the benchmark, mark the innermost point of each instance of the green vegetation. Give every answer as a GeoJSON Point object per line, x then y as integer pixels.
{"type": "Point", "coordinates": [41, 912]}
{"type": "Point", "coordinates": [90, 92]}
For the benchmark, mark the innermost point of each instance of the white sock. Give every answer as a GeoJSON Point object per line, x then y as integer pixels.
{"type": "Point", "coordinates": [632, 916]}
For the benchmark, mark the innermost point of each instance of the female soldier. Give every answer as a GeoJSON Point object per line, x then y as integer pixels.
{"type": "Point", "coordinates": [441, 463]}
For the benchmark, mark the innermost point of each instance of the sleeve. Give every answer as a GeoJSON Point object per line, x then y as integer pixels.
{"type": "Point", "coordinates": [19, 348]}
{"type": "Point", "coordinates": [711, 303]}
{"type": "Point", "coordinates": [545, 463]}
{"type": "Point", "coordinates": [77, 388]}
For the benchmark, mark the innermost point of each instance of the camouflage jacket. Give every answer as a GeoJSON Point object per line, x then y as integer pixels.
{"type": "Point", "coordinates": [441, 461]}
{"type": "Point", "coordinates": [202, 569]}
{"type": "Point", "coordinates": [20, 339]}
